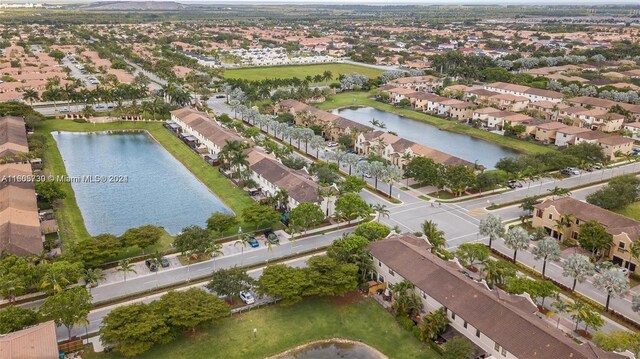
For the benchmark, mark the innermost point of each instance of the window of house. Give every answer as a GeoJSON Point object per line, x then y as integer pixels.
{"type": "Point", "coordinates": [393, 274]}
{"type": "Point", "coordinates": [465, 324]}
{"type": "Point", "coordinates": [497, 347]}
{"type": "Point", "coordinates": [551, 216]}
{"type": "Point", "coordinates": [478, 333]}
{"type": "Point", "coordinates": [577, 221]}
{"type": "Point", "coordinates": [539, 213]}
{"type": "Point", "coordinates": [621, 245]}
{"type": "Point", "coordinates": [380, 278]}
{"type": "Point", "coordinates": [453, 316]}
{"type": "Point", "coordinates": [379, 264]}
{"type": "Point", "coordinates": [504, 352]}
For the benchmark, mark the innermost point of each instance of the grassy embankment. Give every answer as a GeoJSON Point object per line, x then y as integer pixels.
{"type": "Point", "coordinates": [347, 99]}
{"type": "Point", "coordinates": [280, 328]}
{"type": "Point", "coordinates": [68, 214]}
{"type": "Point", "coordinates": [299, 71]}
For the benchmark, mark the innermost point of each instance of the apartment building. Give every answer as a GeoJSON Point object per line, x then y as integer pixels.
{"type": "Point", "coordinates": [593, 118]}
{"type": "Point", "coordinates": [547, 132]}
{"type": "Point", "coordinates": [566, 135]}
{"type": "Point", "coordinates": [425, 83]}
{"type": "Point", "coordinates": [503, 325]}
{"type": "Point", "coordinates": [613, 146]}
{"type": "Point", "coordinates": [623, 229]}
{"type": "Point", "coordinates": [606, 105]}
{"type": "Point", "coordinates": [509, 102]}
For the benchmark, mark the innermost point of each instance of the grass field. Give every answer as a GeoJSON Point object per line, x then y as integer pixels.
{"type": "Point", "coordinates": [280, 328]}
{"type": "Point", "coordinates": [346, 99]}
{"type": "Point", "coordinates": [68, 214]}
{"type": "Point", "coordinates": [300, 71]}
{"type": "Point", "coordinates": [632, 211]}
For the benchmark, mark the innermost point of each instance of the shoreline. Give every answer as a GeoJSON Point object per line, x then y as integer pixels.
{"type": "Point", "coordinates": [328, 341]}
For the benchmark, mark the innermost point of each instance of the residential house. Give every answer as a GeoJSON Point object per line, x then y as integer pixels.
{"type": "Point", "coordinates": [272, 176]}
{"type": "Point", "coordinates": [634, 127]}
{"type": "Point", "coordinates": [398, 94]}
{"type": "Point", "coordinates": [483, 114]}
{"type": "Point", "coordinates": [547, 109]}
{"type": "Point", "coordinates": [13, 137]}
{"type": "Point", "coordinates": [211, 135]}
{"type": "Point", "coordinates": [613, 146]}
{"type": "Point", "coordinates": [479, 96]}
{"type": "Point", "coordinates": [426, 83]}
{"type": "Point", "coordinates": [461, 111]}
{"type": "Point", "coordinates": [606, 105]}
{"type": "Point", "coordinates": [508, 102]}
{"type": "Point", "coordinates": [503, 325]}
{"type": "Point", "coordinates": [566, 135]}
{"type": "Point", "coordinates": [398, 151]}
{"type": "Point", "coordinates": [333, 126]}
{"type": "Point", "coordinates": [547, 132]}
{"type": "Point", "coordinates": [532, 93]}
{"type": "Point", "coordinates": [624, 230]}
{"type": "Point", "coordinates": [35, 342]}
{"type": "Point", "coordinates": [19, 222]}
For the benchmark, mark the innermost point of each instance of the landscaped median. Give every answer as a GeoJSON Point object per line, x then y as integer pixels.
{"type": "Point", "coordinates": [347, 99]}
{"type": "Point", "coordinates": [280, 328]}
{"type": "Point", "coordinates": [68, 214]}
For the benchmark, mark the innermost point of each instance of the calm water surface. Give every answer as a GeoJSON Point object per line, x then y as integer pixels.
{"type": "Point", "coordinates": [459, 145]}
{"type": "Point", "coordinates": [334, 351]}
{"type": "Point", "coordinates": [159, 189]}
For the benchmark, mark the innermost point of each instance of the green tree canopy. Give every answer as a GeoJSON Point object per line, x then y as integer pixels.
{"type": "Point", "coordinates": [13, 318]}
{"type": "Point", "coordinates": [351, 206]}
{"type": "Point", "coordinates": [372, 230]}
{"type": "Point", "coordinates": [221, 222]}
{"type": "Point", "coordinates": [457, 348]}
{"type": "Point", "coordinates": [50, 191]}
{"type": "Point", "coordinates": [98, 249]}
{"type": "Point", "coordinates": [261, 216]}
{"type": "Point", "coordinates": [470, 254]}
{"type": "Point", "coordinates": [194, 239]}
{"type": "Point", "coordinates": [305, 216]}
{"type": "Point", "coordinates": [230, 282]}
{"type": "Point", "coordinates": [594, 237]}
{"type": "Point", "coordinates": [284, 282]}
{"type": "Point", "coordinates": [190, 308]}
{"type": "Point", "coordinates": [68, 308]}
{"type": "Point", "coordinates": [143, 236]}
{"type": "Point", "coordinates": [330, 277]}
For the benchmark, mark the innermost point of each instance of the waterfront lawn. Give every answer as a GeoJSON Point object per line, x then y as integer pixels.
{"type": "Point", "coordinates": [299, 71]}
{"type": "Point", "coordinates": [280, 328]}
{"type": "Point", "coordinates": [346, 99]}
{"type": "Point", "coordinates": [68, 214]}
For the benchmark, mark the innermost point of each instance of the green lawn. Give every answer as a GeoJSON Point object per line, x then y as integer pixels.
{"type": "Point", "coordinates": [68, 214]}
{"type": "Point", "coordinates": [347, 99]}
{"type": "Point", "coordinates": [631, 211]}
{"type": "Point", "coordinates": [300, 71]}
{"type": "Point", "coordinates": [280, 328]}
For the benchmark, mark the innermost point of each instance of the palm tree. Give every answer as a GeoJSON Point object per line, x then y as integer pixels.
{"type": "Point", "coordinates": [242, 243]}
{"type": "Point", "coordinates": [565, 221]}
{"type": "Point", "coordinates": [125, 267]}
{"type": "Point", "coordinates": [547, 250]}
{"type": "Point", "coordinates": [434, 235]}
{"type": "Point", "coordinates": [92, 276]}
{"type": "Point", "coordinates": [433, 324]}
{"type": "Point", "coordinates": [54, 95]}
{"type": "Point", "coordinates": [49, 279]}
{"type": "Point", "coordinates": [381, 210]}
{"type": "Point", "coordinates": [405, 300]}
{"type": "Point", "coordinates": [215, 250]}
{"type": "Point", "coordinates": [517, 238]}
{"type": "Point", "coordinates": [492, 227]}
{"type": "Point", "coordinates": [559, 191]}
{"type": "Point", "coordinates": [391, 175]}
{"type": "Point", "coordinates": [561, 307]}
{"type": "Point", "coordinates": [11, 287]}
{"type": "Point", "coordinates": [69, 91]}
{"type": "Point", "coordinates": [30, 95]}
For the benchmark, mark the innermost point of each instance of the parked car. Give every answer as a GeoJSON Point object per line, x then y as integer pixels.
{"type": "Point", "coordinates": [247, 297]}
{"type": "Point", "coordinates": [608, 264]}
{"type": "Point", "coordinates": [271, 237]}
{"type": "Point", "coordinates": [151, 264]}
{"type": "Point", "coordinates": [332, 144]}
{"type": "Point", "coordinates": [220, 96]}
{"type": "Point", "coordinates": [570, 171]}
{"type": "Point", "coordinates": [164, 262]}
{"type": "Point", "coordinates": [513, 184]}
{"type": "Point", "coordinates": [253, 242]}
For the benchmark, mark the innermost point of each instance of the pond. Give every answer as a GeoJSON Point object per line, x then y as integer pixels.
{"type": "Point", "coordinates": [155, 188]}
{"type": "Point", "coordinates": [332, 350]}
{"type": "Point", "coordinates": [456, 144]}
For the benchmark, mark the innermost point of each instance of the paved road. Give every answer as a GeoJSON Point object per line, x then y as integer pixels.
{"type": "Point", "coordinates": [156, 81]}
{"type": "Point", "coordinates": [374, 66]}
{"type": "Point", "coordinates": [95, 316]}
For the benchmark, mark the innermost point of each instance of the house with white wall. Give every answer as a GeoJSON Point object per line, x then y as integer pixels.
{"type": "Point", "coordinates": [207, 131]}
{"type": "Point", "coordinates": [504, 326]}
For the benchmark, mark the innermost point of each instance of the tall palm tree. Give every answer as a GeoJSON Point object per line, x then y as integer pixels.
{"type": "Point", "coordinates": [434, 235]}
{"type": "Point", "coordinates": [54, 95]}
{"type": "Point", "coordinates": [30, 95]}
{"type": "Point", "coordinates": [92, 276]}
{"type": "Point", "coordinates": [69, 91]}
{"type": "Point", "coordinates": [215, 250]}
{"type": "Point", "coordinates": [242, 243]}
{"type": "Point", "coordinates": [11, 287]}
{"type": "Point", "coordinates": [381, 210]}
{"type": "Point", "coordinates": [405, 300]}
{"type": "Point", "coordinates": [125, 267]}
{"type": "Point", "coordinates": [559, 191]}
{"type": "Point", "coordinates": [51, 280]}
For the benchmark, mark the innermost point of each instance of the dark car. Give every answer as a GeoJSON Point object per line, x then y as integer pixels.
{"type": "Point", "coordinates": [151, 264]}
{"type": "Point", "coordinates": [253, 242]}
{"type": "Point", "coordinates": [271, 237]}
{"type": "Point", "coordinates": [164, 262]}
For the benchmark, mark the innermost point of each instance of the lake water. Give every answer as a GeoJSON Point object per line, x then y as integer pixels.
{"type": "Point", "coordinates": [459, 145]}
{"type": "Point", "coordinates": [334, 350]}
{"type": "Point", "coordinates": [159, 190]}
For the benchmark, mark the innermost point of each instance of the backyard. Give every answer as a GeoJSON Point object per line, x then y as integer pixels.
{"type": "Point", "coordinates": [299, 71]}
{"type": "Point", "coordinates": [347, 99]}
{"type": "Point", "coordinates": [280, 328]}
{"type": "Point", "coordinates": [68, 214]}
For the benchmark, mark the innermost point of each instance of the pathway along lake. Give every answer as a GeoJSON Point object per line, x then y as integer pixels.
{"type": "Point", "coordinates": [456, 144]}
{"type": "Point", "coordinates": [157, 189]}
{"type": "Point", "coordinates": [332, 350]}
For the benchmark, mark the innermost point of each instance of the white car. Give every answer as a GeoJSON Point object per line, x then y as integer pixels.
{"type": "Point", "coordinates": [332, 144]}
{"type": "Point", "coordinates": [247, 297]}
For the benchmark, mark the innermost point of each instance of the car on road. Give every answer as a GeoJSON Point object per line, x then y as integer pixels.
{"type": "Point", "coordinates": [220, 96]}
{"type": "Point", "coordinates": [253, 242]}
{"type": "Point", "coordinates": [100, 105]}
{"type": "Point", "coordinates": [247, 297]}
{"type": "Point", "coordinates": [513, 184]}
{"type": "Point", "coordinates": [164, 262]}
{"type": "Point", "coordinates": [607, 265]}
{"type": "Point", "coordinates": [570, 171]}
{"type": "Point", "coordinates": [366, 175]}
{"type": "Point", "coordinates": [332, 144]}
{"type": "Point", "coordinates": [271, 237]}
{"type": "Point", "coordinates": [151, 264]}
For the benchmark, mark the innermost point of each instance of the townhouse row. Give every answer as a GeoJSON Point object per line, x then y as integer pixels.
{"type": "Point", "coordinates": [499, 324]}
{"type": "Point", "coordinates": [270, 176]}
